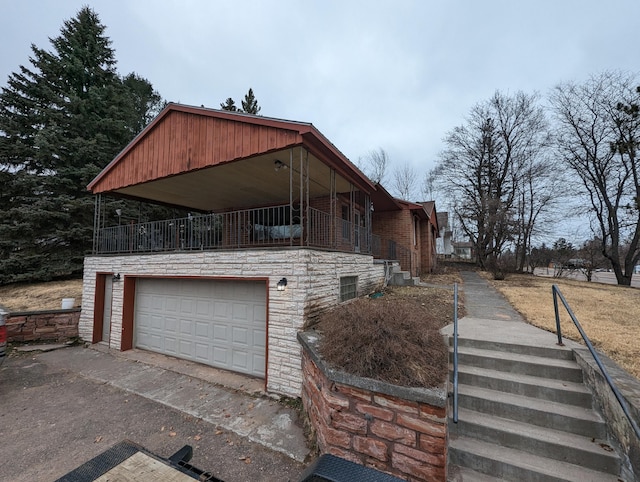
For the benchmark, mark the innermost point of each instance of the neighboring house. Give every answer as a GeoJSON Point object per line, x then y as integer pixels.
{"type": "Point", "coordinates": [443, 243]}
{"type": "Point", "coordinates": [463, 250]}
{"type": "Point", "coordinates": [407, 234]}
{"type": "Point", "coordinates": [279, 229]}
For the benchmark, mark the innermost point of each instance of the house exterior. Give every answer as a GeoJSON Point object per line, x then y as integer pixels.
{"type": "Point", "coordinates": [408, 234]}
{"type": "Point", "coordinates": [279, 228]}
{"type": "Point", "coordinates": [443, 242]}
{"type": "Point", "coordinates": [463, 250]}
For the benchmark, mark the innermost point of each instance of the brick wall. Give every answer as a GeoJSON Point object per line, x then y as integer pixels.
{"type": "Point", "coordinates": [398, 226]}
{"type": "Point", "coordinates": [54, 325]}
{"type": "Point", "coordinates": [313, 285]}
{"type": "Point", "coordinates": [397, 430]}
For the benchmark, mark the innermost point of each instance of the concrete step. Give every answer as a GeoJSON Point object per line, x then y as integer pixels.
{"type": "Point", "coordinates": [465, 474]}
{"type": "Point", "coordinates": [403, 278]}
{"type": "Point", "coordinates": [558, 445]}
{"type": "Point", "coordinates": [543, 413]}
{"type": "Point", "coordinates": [516, 465]}
{"type": "Point", "coordinates": [561, 391]}
{"type": "Point", "coordinates": [553, 368]}
{"type": "Point", "coordinates": [551, 351]}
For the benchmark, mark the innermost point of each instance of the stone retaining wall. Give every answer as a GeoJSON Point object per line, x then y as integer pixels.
{"type": "Point", "coordinates": [617, 423]}
{"type": "Point", "coordinates": [52, 325]}
{"type": "Point", "coordinates": [398, 430]}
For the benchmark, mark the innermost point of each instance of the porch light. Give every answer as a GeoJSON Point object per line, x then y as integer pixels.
{"type": "Point", "coordinates": [116, 277]}
{"type": "Point", "coordinates": [279, 165]}
{"type": "Point", "coordinates": [282, 284]}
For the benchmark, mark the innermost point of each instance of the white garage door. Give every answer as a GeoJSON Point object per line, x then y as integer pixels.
{"type": "Point", "coordinates": [220, 323]}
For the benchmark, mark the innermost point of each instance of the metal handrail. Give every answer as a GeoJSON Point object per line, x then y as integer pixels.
{"type": "Point", "coordinates": [623, 404]}
{"type": "Point", "coordinates": [455, 352]}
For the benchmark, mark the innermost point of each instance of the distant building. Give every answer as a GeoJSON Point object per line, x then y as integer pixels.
{"type": "Point", "coordinates": [443, 243]}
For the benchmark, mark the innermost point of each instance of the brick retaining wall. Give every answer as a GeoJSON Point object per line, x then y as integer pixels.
{"type": "Point", "coordinates": [53, 325]}
{"type": "Point", "coordinates": [398, 430]}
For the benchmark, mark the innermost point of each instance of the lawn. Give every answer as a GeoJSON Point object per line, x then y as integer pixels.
{"type": "Point", "coordinates": [609, 314]}
{"type": "Point", "coordinates": [40, 296]}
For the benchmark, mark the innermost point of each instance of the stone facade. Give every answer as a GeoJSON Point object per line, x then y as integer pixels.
{"type": "Point", "coordinates": [53, 325]}
{"type": "Point", "coordinates": [313, 285]}
{"type": "Point", "coordinates": [397, 430]}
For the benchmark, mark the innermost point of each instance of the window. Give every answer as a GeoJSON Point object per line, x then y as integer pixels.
{"type": "Point", "coordinates": [348, 287]}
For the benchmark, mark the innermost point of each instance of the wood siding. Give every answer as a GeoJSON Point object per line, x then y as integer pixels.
{"type": "Point", "coordinates": [184, 142]}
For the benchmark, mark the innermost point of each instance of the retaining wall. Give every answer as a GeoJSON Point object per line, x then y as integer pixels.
{"type": "Point", "coordinates": [51, 325]}
{"type": "Point", "coordinates": [398, 430]}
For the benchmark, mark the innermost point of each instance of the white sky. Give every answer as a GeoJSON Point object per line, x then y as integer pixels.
{"type": "Point", "coordinates": [393, 74]}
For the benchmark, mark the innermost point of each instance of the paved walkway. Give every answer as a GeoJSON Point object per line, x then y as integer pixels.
{"type": "Point", "coordinates": [489, 316]}
{"type": "Point", "coordinates": [191, 388]}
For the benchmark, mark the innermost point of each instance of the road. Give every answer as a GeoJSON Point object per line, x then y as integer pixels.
{"type": "Point", "coordinates": [53, 420]}
{"type": "Point", "coordinates": [604, 277]}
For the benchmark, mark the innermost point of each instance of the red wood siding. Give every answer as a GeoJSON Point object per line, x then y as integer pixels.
{"type": "Point", "coordinates": [184, 142]}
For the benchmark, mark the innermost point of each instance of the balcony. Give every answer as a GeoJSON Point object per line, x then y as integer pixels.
{"type": "Point", "coordinates": [276, 226]}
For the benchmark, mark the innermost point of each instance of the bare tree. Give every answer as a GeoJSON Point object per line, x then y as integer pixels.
{"type": "Point", "coordinates": [375, 165]}
{"type": "Point", "coordinates": [405, 181]}
{"type": "Point", "coordinates": [598, 136]}
{"type": "Point", "coordinates": [483, 167]}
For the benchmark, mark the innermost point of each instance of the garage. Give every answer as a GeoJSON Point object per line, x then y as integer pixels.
{"type": "Point", "coordinates": [221, 323]}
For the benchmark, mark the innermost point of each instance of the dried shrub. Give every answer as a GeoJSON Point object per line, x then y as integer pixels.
{"type": "Point", "coordinates": [394, 341]}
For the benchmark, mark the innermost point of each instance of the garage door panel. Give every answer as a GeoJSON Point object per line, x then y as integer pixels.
{"type": "Point", "coordinates": [240, 361]}
{"type": "Point", "coordinates": [202, 329]}
{"type": "Point", "coordinates": [221, 356]}
{"type": "Point", "coordinates": [259, 337]}
{"type": "Point", "coordinates": [217, 322]}
{"type": "Point", "coordinates": [240, 336]}
{"type": "Point", "coordinates": [171, 345]}
{"type": "Point", "coordinates": [220, 333]}
{"type": "Point", "coordinates": [171, 325]}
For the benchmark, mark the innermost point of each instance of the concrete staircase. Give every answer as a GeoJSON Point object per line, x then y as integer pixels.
{"type": "Point", "coordinates": [402, 278]}
{"type": "Point", "coordinates": [525, 415]}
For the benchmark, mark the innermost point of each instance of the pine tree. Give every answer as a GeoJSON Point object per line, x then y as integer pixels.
{"type": "Point", "coordinates": [250, 104]}
{"type": "Point", "coordinates": [61, 121]}
{"type": "Point", "coordinates": [229, 105]}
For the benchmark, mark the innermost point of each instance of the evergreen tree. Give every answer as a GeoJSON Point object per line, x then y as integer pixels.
{"type": "Point", "coordinates": [61, 121]}
{"type": "Point", "coordinates": [250, 104]}
{"type": "Point", "coordinates": [229, 105]}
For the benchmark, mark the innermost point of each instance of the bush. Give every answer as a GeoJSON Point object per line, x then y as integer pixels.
{"type": "Point", "coordinates": [394, 341]}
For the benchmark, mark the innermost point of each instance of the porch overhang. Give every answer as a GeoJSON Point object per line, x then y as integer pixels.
{"type": "Point", "coordinates": [209, 160]}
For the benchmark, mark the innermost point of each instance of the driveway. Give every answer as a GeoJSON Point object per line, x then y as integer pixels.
{"type": "Point", "coordinates": [53, 418]}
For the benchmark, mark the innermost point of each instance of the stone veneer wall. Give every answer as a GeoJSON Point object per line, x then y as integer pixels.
{"type": "Point", "coordinates": [313, 284]}
{"type": "Point", "coordinates": [617, 423]}
{"type": "Point", "coordinates": [398, 430]}
{"type": "Point", "coordinates": [50, 325]}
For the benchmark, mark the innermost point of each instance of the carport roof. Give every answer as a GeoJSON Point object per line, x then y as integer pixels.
{"type": "Point", "coordinates": [188, 154]}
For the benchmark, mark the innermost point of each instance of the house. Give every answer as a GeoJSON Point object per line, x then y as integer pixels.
{"type": "Point", "coordinates": [279, 228]}
{"type": "Point", "coordinates": [443, 242]}
{"type": "Point", "coordinates": [407, 233]}
{"type": "Point", "coordinates": [463, 250]}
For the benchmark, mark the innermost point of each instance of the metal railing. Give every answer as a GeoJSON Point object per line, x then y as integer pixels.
{"type": "Point", "coordinates": [270, 226]}
{"type": "Point", "coordinates": [623, 404]}
{"type": "Point", "coordinates": [455, 352]}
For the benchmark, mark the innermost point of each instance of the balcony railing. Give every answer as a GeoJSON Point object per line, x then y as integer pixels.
{"type": "Point", "coordinates": [272, 226]}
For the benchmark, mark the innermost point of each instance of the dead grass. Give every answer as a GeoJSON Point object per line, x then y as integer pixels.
{"type": "Point", "coordinates": [394, 338]}
{"type": "Point", "coordinates": [609, 314]}
{"type": "Point", "coordinates": [40, 296]}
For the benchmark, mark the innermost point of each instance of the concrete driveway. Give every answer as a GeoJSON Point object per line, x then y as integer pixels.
{"type": "Point", "coordinates": [54, 418]}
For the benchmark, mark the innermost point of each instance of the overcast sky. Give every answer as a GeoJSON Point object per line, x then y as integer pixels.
{"type": "Point", "coordinates": [368, 74]}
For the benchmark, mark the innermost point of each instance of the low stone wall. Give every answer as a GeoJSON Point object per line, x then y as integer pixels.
{"type": "Point", "coordinates": [53, 325]}
{"type": "Point", "coordinates": [398, 430]}
{"type": "Point", "coordinates": [617, 423]}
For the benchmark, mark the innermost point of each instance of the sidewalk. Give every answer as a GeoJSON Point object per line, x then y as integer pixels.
{"type": "Point", "coordinates": [490, 317]}
{"type": "Point", "coordinates": [185, 387]}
